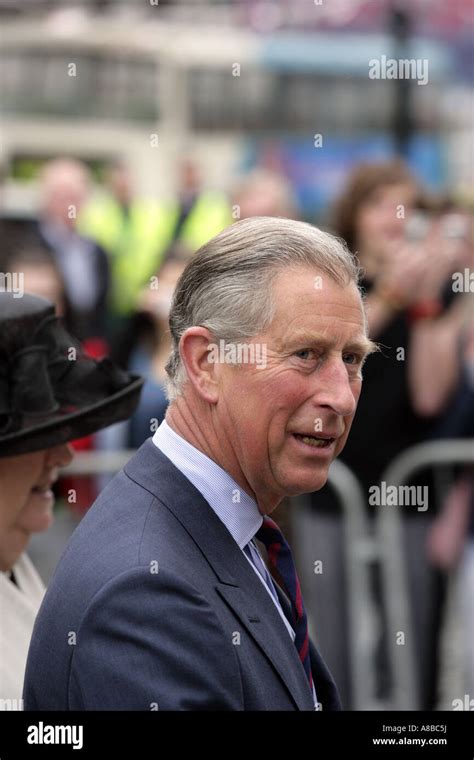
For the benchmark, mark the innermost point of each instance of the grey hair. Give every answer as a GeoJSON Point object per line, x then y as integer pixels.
{"type": "Point", "coordinates": [226, 286]}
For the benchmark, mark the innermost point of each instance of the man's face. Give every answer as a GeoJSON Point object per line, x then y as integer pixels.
{"type": "Point", "coordinates": [315, 348]}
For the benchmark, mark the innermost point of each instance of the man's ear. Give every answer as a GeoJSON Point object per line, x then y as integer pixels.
{"type": "Point", "coordinates": [194, 349]}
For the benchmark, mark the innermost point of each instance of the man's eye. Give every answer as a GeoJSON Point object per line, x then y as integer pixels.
{"type": "Point", "coordinates": [353, 359]}
{"type": "Point", "coordinates": [305, 354]}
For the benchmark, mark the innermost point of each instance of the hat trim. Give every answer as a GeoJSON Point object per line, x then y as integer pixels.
{"type": "Point", "coordinates": [56, 425]}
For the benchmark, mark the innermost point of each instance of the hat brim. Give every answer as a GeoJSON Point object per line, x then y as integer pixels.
{"type": "Point", "coordinates": [115, 408]}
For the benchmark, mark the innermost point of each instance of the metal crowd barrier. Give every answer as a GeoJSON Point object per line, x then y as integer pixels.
{"type": "Point", "coordinates": [98, 462]}
{"type": "Point", "coordinates": [361, 550]}
{"type": "Point", "coordinates": [389, 537]}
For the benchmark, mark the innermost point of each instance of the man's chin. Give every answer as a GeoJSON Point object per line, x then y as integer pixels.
{"type": "Point", "coordinates": [307, 484]}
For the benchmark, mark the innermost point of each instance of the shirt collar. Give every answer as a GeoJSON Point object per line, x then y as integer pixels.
{"type": "Point", "coordinates": [233, 506]}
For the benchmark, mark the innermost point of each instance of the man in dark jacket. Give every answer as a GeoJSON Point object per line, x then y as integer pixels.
{"type": "Point", "coordinates": [162, 599]}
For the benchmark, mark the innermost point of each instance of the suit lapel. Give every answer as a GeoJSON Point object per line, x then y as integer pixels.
{"type": "Point", "coordinates": [238, 583]}
{"type": "Point", "coordinates": [258, 615]}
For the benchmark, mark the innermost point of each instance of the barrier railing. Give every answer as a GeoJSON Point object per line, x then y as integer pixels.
{"type": "Point", "coordinates": [360, 550]}
{"type": "Point", "coordinates": [98, 462]}
{"type": "Point", "coordinates": [406, 693]}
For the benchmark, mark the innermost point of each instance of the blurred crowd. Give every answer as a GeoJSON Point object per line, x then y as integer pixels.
{"type": "Point", "coordinates": [412, 248]}
{"type": "Point", "coordinates": [110, 260]}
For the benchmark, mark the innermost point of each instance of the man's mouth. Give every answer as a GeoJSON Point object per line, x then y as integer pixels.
{"type": "Point", "coordinates": [319, 442]}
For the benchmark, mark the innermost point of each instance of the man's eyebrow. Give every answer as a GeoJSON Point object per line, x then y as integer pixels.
{"type": "Point", "coordinates": [362, 345]}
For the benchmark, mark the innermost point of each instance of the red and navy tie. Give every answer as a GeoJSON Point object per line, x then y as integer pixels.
{"type": "Point", "coordinates": [280, 558]}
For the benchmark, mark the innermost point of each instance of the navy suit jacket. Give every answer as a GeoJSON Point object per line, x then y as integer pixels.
{"type": "Point", "coordinates": [153, 606]}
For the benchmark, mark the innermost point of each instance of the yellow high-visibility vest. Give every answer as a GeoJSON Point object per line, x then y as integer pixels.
{"type": "Point", "coordinates": [137, 242]}
{"type": "Point", "coordinates": [210, 214]}
{"type": "Point", "coordinates": [134, 242]}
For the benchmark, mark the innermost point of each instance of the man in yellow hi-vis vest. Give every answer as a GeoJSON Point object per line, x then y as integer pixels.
{"type": "Point", "coordinates": [138, 232]}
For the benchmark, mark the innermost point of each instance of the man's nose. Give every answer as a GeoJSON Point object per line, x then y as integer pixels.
{"type": "Point", "coordinates": [334, 388]}
{"type": "Point", "coordinates": [60, 456]}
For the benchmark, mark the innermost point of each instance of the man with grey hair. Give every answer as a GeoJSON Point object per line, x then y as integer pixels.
{"type": "Point", "coordinates": [164, 584]}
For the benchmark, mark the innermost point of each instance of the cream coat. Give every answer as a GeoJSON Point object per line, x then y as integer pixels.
{"type": "Point", "coordinates": [18, 608]}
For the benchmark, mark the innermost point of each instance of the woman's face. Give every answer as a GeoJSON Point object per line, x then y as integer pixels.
{"type": "Point", "coordinates": [26, 498]}
{"type": "Point", "coordinates": [382, 218]}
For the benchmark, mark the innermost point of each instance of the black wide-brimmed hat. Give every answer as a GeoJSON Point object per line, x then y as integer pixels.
{"type": "Point", "coordinates": [50, 391]}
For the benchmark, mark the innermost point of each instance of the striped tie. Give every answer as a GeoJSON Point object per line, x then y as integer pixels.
{"type": "Point", "coordinates": [281, 559]}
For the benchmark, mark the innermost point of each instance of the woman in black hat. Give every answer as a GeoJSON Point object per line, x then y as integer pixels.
{"type": "Point", "coordinates": [50, 394]}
